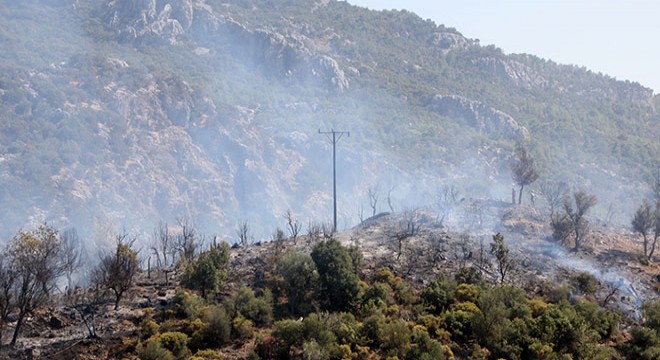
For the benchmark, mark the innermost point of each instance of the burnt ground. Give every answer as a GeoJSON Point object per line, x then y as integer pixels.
{"type": "Point", "coordinates": [413, 244]}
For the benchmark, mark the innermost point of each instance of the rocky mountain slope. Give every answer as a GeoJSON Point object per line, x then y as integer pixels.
{"type": "Point", "coordinates": [123, 113]}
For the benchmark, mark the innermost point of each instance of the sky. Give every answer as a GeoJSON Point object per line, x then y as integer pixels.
{"type": "Point", "coordinates": [617, 38]}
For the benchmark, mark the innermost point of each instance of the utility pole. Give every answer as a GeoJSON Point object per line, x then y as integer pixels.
{"type": "Point", "coordinates": [336, 136]}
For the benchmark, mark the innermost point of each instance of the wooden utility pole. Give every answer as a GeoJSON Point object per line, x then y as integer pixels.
{"type": "Point", "coordinates": [336, 136]}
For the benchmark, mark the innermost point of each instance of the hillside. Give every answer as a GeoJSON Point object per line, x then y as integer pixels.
{"type": "Point", "coordinates": [438, 294]}
{"type": "Point", "coordinates": [123, 113]}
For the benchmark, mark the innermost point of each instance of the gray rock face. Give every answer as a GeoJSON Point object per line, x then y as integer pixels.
{"type": "Point", "coordinates": [448, 41]}
{"type": "Point", "coordinates": [289, 54]}
{"type": "Point", "coordinates": [284, 55]}
{"type": "Point", "coordinates": [480, 116]}
{"type": "Point", "coordinates": [137, 18]}
{"type": "Point", "coordinates": [515, 71]}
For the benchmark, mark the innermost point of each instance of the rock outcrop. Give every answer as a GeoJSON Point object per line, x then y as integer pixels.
{"type": "Point", "coordinates": [519, 73]}
{"type": "Point", "coordinates": [484, 118]}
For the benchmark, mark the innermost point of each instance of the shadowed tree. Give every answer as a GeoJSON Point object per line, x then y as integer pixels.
{"type": "Point", "coordinates": [117, 270]}
{"type": "Point", "coordinates": [523, 170]}
{"type": "Point", "coordinates": [643, 222]}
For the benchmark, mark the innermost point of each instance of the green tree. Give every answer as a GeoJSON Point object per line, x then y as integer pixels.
{"type": "Point", "coordinates": [523, 170]}
{"type": "Point", "coordinates": [338, 278]}
{"type": "Point", "coordinates": [35, 265]}
{"type": "Point", "coordinates": [573, 222]}
{"type": "Point", "coordinates": [117, 270]}
{"type": "Point", "coordinates": [300, 280]}
{"type": "Point", "coordinates": [209, 271]}
{"type": "Point", "coordinates": [504, 262]}
{"type": "Point", "coordinates": [643, 222]}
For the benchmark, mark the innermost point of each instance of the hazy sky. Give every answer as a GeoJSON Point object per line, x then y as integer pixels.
{"type": "Point", "coordinates": [619, 38]}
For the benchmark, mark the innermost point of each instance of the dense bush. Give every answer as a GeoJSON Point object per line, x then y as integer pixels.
{"type": "Point", "coordinates": [209, 271]}
{"type": "Point", "coordinates": [300, 279]}
{"type": "Point", "coordinates": [154, 350]}
{"type": "Point", "coordinates": [338, 276]}
{"type": "Point", "coordinates": [257, 309]}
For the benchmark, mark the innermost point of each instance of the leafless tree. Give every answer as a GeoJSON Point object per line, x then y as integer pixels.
{"type": "Point", "coordinates": [360, 213]}
{"type": "Point", "coordinates": [523, 170]}
{"type": "Point", "coordinates": [408, 227]}
{"type": "Point", "coordinates": [243, 233]}
{"type": "Point", "coordinates": [445, 200]}
{"type": "Point", "coordinates": [313, 231]}
{"type": "Point", "coordinates": [116, 271]}
{"type": "Point", "coordinates": [656, 232]}
{"type": "Point", "coordinates": [87, 303]}
{"type": "Point", "coordinates": [186, 242]}
{"type": "Point", "coordinates": [162, 244]}
{"type": "Point", "coordinates": [436, 249]}
{"type": "Point", "coordinates": [464, 252]}
{"type": "Point", "coordinates": [71, 254]}
{"type": "Point", "coordinates": [655, 184]}
{"type": "Point", "coordinates": [643, 222]}
{"type": "Point", "coordinates": [573, 221]}
{"type": "Point", "coordinates": [554, 193]}
{"type": "Point", "coordinates": [389, 199]}
{"type": "Point", "coordinates": [327, 230]}
{"type": "Point", "coordinates": [7, 280]}
{"type": "Point", "coordinates": [36, 263]}
{"type": "Point", "coordinates": [372, 193]}
{"type": "Point", "coordinates": [292, 224]}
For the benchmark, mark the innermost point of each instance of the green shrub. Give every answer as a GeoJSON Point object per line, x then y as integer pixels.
{"type": "Point", "coordinates": [175, 342]}
{"type": "Point", "coordinates": [314, 351]}
{"type": "Point", "coordinates": [603, 323]}
{"type": "Point", "coordinates": [258, 310]}
{"type": "Point", "coordinates": [651, 314]}
{"type": "Point", "coordinates": [585, 283]}
{"type": "Point", "coordinates": [154, 350]}
{"type": "Point", "coordinates": [243, 328]}
{"type": "Point", "coordinates": [467, 292]}
{"type": "Point", "coordinates": [208, 354]}
{"type": "Point", "coordinates": [320, 328]}
{"type": "Point", "coordinates": [209, 271]}
{"type": "Point", "coordinates": [378, 294]}
{"type": "Point", "coordinates": [187, 304]}
{"type": "Point", "coordinates": [218, 328]}
{"type": "Point", "coordinates": [395, 338]}
{"type": "Point", "coordinates": [469, 275]}
{"type": "Point", "coordinates": [289, 331]}
{"type": "Point", "coordinates": [372, 330]}
{"type": "Point", "coordinates": [644, 344]}
{"type": "Point", "coordinates": [338, 275]}
{"type": "Point", "coordinates": [424, 347]}
{"type": "Point", "coordinates": [438, 295]}
{"type": "Point", "coordinates": [300, 281]}
{"type": "Point", "coordinates": [459, 325]}
{"type": "Point", "coordinates": [148, 328]}
{"type": "Point", "coordinates": [541, 351]}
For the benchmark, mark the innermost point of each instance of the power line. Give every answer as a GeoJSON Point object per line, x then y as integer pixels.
{"type": "Point", "coordinates": [336, 136]}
